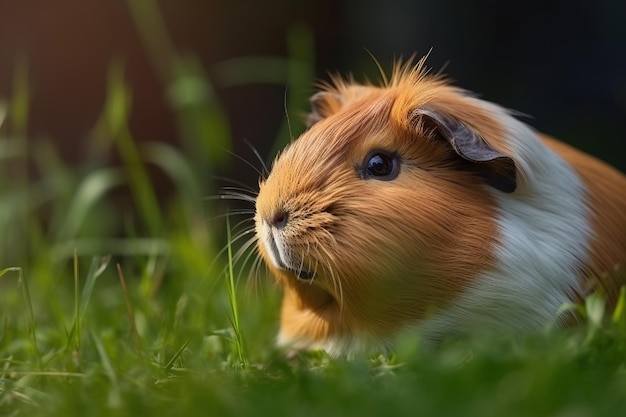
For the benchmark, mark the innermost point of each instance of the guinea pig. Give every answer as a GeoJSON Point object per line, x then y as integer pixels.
{"type": "Point", "coordinates": [415, 206]}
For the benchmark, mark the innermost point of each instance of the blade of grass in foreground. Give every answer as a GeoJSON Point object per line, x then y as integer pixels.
{"type": "Point", "coordinates": [31, 325]}
{"type": "Point", "coordinates": [232, 297]}
{"type": "Point", "coordinates": [98, 266]}
{"type": "Point", "coordinates": [131, 315]}
{"type": "Point", "coordinates": [619, 314]}
{"type": "Point", "coordinates": [3, 112]}
{"type": "Point", "coordinates": [172, 361]}
{"type": "Point", "coordinates": [107, 366]}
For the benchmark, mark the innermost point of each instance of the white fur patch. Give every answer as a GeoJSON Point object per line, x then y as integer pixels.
{"type": "Point", "coordinates": [349, 345]}
{"type": "Point", "coordinates": [544, 235]}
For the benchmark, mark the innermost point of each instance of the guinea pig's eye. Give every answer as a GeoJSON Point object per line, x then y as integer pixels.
{"type": "Point", "coordinates": [381, 166]}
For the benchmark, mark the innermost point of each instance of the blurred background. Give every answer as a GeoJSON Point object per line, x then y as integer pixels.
{"type": "Point", "coordinates": [561, 62]}
{"type": "Point", "coordinates": [84, 84]}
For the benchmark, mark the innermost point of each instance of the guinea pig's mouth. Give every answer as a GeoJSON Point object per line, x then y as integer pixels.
{"type": "Point", "coordinates": [284, 262]}
{"type": "Point", "coordinates": [303, 274]}
{"type": "Point", "coordinates": [300, 273]}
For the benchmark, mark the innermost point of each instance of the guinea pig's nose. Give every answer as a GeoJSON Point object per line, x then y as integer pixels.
{"type": "Point", "coordinates": [279, 219]}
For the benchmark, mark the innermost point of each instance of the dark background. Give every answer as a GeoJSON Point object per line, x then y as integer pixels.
{"type": "Point", "coordinates": [561, 62]}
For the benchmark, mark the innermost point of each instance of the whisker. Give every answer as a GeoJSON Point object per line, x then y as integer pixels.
{"type": "Point", "coordinates": [243, 211]}
{"type": "Point", "coordinates": [287, 115]}
{"type": "Point", "coordinates": [330, 236]}
{"type": "Point", "coordinates": [255, 270]}
{"type": "Point", "coordinates": [245, 246]}
{"type": "Point", "coordinates": [250, 250]}
{"type": "Point", "coordinates": [246, 221]}
{"type": "Point", "coordinates": [245, 161]}
{"type": "Point", "coordinates": [244, 190]}
{"type": "Point", "coordinates": [237, 256]}
{"type": "Point", "coordinates": [265, 171]}
{"type": "Point", "coordinates": [233, 239]}
{"type": "Point", "coordinates": [242, 222]}
{"type": "Point", "coordinates": [220, 253]}
{"type": "Point", "coordinates": [308, 255]}
{"type": "Point", "coordinates": [242, 267]}
{"type": "Point", "coordinates": [241, 234]}
{"type": "Point", "coordinates": [330, 262]}
{"type": "Point", "coordinates": [251, 282]}
{"type": "Point", "coordinates": [240, 184]}
{"type": "Point", "coordinates": [235, 196]}
{"type": "Point", "coordinates": [328, 256]}
{"type": "Point", "coordinates": [234, 213]}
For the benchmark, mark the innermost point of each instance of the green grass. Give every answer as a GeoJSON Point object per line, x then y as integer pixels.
{"type": "Point", "coordinates": [141, 310]}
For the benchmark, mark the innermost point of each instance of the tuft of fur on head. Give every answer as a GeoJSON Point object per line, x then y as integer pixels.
{"type": "Point", "coordinates": [485, 226]}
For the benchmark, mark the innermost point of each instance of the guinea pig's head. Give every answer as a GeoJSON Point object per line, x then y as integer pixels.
{"type": "Point", "coordinates": [383, 210]}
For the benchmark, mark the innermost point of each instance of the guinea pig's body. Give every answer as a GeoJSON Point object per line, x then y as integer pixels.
{"type": "Point", "coordinates": [417, 206]}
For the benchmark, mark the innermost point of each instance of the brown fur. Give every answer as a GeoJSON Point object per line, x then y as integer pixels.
{"type": "Point", "coordinates": [385, 254]}
{"type": "Point", "coordinates": [376, 281]}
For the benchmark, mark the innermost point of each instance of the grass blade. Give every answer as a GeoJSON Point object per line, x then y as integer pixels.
{"type": "Point", "coordinates": [21, 282]}
{"type": "Point", "coordinates": [202, 122]}
{"type": "Point", "coordinates": [76, 329]}
{"type": "Point", "coordinates": [91, 189]}
{"type": "Point", "coordinates": [113, 125]}
{"type": "Point", "coordinates": [98, 266]}
{"type": "Point", "coordinates": [179, 352]}
{"type": "Point", "coordinates": [114, 394]}
{"type": "Point", "coordinates": [619, 314]}
{"type": "Point", "coordinates": [3, 112]}
{"type": "Point", "coordinates": [232, 297]}
{"type": "Point", "coordinates": [131, 315]}
{"type": "Point", "coordinates": [172, 162]}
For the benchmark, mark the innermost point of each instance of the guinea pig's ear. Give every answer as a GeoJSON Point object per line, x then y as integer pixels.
{"type": "Point", "coordinates": [497, 169]}
{"type": "Point", "coordinates": [323, 104]}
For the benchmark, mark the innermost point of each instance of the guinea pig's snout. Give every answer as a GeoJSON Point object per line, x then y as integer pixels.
{"type": "Point", "coordinates": [281, 253]}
